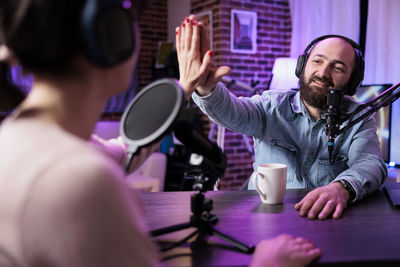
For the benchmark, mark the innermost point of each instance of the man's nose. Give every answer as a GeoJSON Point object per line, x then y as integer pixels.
{"type": "Point", "coordinates": [325, 71]}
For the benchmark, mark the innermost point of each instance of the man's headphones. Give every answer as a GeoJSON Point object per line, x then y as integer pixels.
{"type": "Point", "coordinates": [358, 73]}
{"type": "Point", "coordinates": [107, 31]}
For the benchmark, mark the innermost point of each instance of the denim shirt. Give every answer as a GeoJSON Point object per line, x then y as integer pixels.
{"type": "Point", "coordinates": [284, 132]}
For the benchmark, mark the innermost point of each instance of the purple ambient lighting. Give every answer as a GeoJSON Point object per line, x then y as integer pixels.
{"type": "Point", "coordinates": [127, 4]}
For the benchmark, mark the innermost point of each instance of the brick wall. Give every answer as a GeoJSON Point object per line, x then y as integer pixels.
{"type": "Point", "coordinates": [273, 40]}
{"type": "Point", "coordinates": [153, 25]}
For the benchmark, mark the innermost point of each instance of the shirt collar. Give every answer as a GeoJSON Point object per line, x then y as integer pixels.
{"type": "Point", "coordinates": [297, 104]}
{"type": "Point", "coordinates": [298, 107]}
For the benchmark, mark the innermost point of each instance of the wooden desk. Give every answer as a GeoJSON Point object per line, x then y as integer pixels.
{"type": "Point", "coordinates": [368, 234]}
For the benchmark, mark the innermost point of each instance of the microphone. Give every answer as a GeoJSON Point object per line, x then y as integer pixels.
{"type": "Point", "coordinates": [199, 144]}
{"type": "Point", "coordinates": [332, 118]}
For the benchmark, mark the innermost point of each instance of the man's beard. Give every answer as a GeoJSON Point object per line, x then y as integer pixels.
{"type": "Point", "coordinates": [315, 97]}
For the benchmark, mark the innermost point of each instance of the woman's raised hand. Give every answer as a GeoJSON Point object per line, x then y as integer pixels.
{"type": "Point", "coordinates": [197, 68]}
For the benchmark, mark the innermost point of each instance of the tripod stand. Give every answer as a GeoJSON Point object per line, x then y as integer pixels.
{"type": "Point", "coordinates": [204, 221]}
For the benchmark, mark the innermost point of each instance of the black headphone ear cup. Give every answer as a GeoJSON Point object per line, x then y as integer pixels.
{"type": "Point", "coordinates": [107, 32]}
{"type": "Point", "coordinates": [10, 95]}
{"type": "Point", "coordinates": [301, 61]}
{"type": "Point", "coordinates": [115, 36]}
{"type": "Point", "coordinates": [358, 76]}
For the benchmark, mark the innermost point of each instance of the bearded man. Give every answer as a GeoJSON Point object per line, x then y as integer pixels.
{"type": "Point", "coordinates": [286, 125]}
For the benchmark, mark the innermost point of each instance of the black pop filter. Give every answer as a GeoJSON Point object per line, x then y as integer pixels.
{"type": "Point", "coordinates": [151, 114]}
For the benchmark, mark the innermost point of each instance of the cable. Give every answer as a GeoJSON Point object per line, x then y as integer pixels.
{"type": "Point", "coordinates": [177, 244]}
{"type": "Point", "coordinates": [170, 257]}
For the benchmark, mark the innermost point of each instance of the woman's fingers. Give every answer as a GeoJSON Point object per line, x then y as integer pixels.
{"type": "Point", "coordinates": [178, 40]}
{"type": "Point", "coordinates": [196, 67]}
{"type": "Point", "coordinates": [188, 34]}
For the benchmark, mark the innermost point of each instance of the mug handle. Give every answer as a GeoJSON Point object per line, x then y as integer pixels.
{"type": "Point", "coordinates": [264, 196]}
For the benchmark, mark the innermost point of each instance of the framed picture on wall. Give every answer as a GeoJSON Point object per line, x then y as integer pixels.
{"type": "Point", "coordinates": [206, 18]}
{"type": "Point", "coordinates": [163, 50]}
{"type": "Point", "coordinates": [243, 31]}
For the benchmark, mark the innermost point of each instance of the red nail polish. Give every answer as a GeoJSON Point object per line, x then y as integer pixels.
{"type": "Point", "coordinates": [187, 19]}
{"type": "Point", "coordinates": [183, 24]}
{"type": "Point", "coordinates": [194, 23]}
{"type": "Point", "coordinates": [176, 32]}
{"type": "Point", "coordinates": [211, 53]}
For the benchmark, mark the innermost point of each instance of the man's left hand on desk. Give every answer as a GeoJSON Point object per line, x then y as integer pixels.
{"type": "Point", "coordinates": [323, 201]}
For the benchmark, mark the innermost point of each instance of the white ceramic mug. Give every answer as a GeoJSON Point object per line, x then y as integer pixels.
{"type": "Point", "coordinates": [270, 182]}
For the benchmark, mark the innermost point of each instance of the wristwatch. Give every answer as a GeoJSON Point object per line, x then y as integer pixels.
{"type": "Point", "coordinates": [347, 186]}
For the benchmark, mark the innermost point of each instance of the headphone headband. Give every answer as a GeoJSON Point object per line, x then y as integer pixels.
{"type": "Point", "coordinates": [107, 32]}
{"type": "Point", "coordinates": [358, 73]}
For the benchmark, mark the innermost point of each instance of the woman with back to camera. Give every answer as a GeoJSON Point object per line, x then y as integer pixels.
{"type": "Point", "coordinates": [63, 202]}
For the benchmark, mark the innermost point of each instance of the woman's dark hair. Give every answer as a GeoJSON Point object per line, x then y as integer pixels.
{"type": "Point", "coordinates": [44, 35]}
